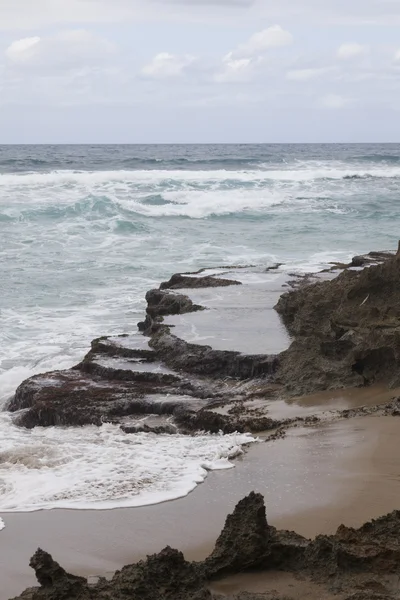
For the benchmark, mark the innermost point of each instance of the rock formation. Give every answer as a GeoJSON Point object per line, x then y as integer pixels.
{"type": "Point", "coordinates": [354, 563]}
{"type": "Point", "coordinates": [346, 331]}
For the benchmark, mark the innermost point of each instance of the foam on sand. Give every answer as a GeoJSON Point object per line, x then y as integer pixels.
{"type": "Point", "coordinates": [104, 467]}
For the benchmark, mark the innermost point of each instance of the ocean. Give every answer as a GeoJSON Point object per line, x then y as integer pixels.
{"type": "Point", "coordinates": [85, 231]}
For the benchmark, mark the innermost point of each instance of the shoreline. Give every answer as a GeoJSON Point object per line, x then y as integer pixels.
{"type": "Point", "coordinates": [317, 469]}
{"type": "Point", "coordinates": [327, 492]}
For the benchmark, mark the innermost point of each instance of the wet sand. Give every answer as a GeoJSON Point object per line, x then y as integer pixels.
{"type": "Point", "coordinates": [282, 583]}
{"type": "Point", "coordinates": [327, 401]}
{"type": "Point", "coordinates": [313, 480]}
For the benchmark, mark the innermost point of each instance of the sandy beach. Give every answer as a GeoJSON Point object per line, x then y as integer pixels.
{"type": "Point", "coordinates": [313, 480]}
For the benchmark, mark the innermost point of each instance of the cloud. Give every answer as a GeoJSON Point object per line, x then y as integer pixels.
{"type": "Point", "coordinates": [165, 65]}
{"type": "Point", "coordinates": [235, 70]}
{"type": "Point", "coordinates": [351, 50]}
{"type": "Point", "coordinates": [334, 101]}
{"type": "Point", "coordinates": [397, 56]}
{"type": "Point", "coordinates": [31, 14]}
{"type": "Point", "coordinates": [64, 50]}
{"type": "Point", "coordinates": [307, 74]}
{"type": "Point", "coordinates": [22, 50]}
{"type": "Point", "coordinates": [241, 63]}
{"type": "Point", "coordinates": [260, 42]}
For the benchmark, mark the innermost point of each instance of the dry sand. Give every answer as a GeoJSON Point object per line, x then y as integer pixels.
{"type": "Point", "coordinates": [315, 479]}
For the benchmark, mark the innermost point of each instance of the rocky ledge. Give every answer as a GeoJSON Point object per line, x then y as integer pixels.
{"type": "Point", "coordinates": [346, 331]}
{"type": "Point", "coordinates": [344, 328]}
{"type": "Point", "coordinates": [357, 564]}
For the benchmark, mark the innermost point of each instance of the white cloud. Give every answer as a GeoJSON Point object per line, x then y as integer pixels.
{"type": "Point", "coordinates": [397, 56]}
{"type": "Point", "coordinates": [351, 50]}
{"type": "Point", "coordinates": [334, 101]}
{"type": "Point", "coordinates": [260, 42]}
{"type": "Point", "coordinates": [235, 70]}
{"type": "Point", "coordinates": [64, 50]}
{"type": "Point", "coordinates": [23, 50]}
{"type": "Point", "coordinates": [306, 74]}
{"type": "Point", "coordinates": [165, 65]}
{"type": "Point", "coordinates": [241, 63]}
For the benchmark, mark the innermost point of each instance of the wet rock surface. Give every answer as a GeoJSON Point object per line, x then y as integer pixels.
{"type": "Point", "coordinates": [346, 330]}
{"type": "Point", "coordinates": [345, 333]}
{"type": "Point", "coordinates": [353, 563]}
{"type": "Point", "coordinates": [189, 281]}
{"type": "Point", "coordinates": [157, 374]}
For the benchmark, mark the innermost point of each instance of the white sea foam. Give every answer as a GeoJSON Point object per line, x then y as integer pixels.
{"type": "Point", "coordinates": [2, 524]}
{"type": "Point", "coordinates": [202, 204]}
{"type": "Point", "coordinates": [103, 467]}
{"type": "Point", "coordinates": [308, 172]}
{"type": "Point", "coordinates": [79, 250]}
{"type": "Point", "coordinates": [308, 187]}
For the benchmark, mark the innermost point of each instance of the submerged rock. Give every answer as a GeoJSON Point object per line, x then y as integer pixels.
{"type": "Point", "coordinates": [183, 281]}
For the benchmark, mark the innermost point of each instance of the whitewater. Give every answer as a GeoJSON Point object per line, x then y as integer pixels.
{"type": "Point", "coordinates": [85, 231]}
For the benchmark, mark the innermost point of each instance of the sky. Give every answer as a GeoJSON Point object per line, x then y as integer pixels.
{"type": "Point", "coordinates": [199, 71]}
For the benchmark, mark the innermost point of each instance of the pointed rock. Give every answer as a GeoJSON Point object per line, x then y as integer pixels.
{"type": "Point", "coordinates": [244, 541]}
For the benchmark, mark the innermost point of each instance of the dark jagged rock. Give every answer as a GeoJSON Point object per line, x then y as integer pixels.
{"type": "Point", "coordinates": [213, 422]}
{"type": "Point", "coordinates": [128, 370]}
{"type": "Point", "coordinates": [244, 541]}
{"type": "Point", "coordinates": [374, 549]}
{"type": "Point", "coordinates": [144, 428]}
{"type": "Point", "coordinates": [165, 575]}
{"type": "Point", "coordinates": [354, 563]}
{"type": "Point", "coordinates": [346, 330]}
{"type": "Point", "coordinates": [181, 281]}
{"type": "Point", "coordinates": [346, 333]}
{"type": "Point", "coordinates": [273, 267]}
{"type": "Point", "coordinates": [203, 360]}
{"type": "Point", "coordinates": [128, 346]}
{"type": "Point", "coordinates": [74, 398]}
{"type": "Point", "coordinates": [67, 398]}
{"type": "Point", "coordinates": [161, 303]}
{"type": "Point", "coordinates": [370, 258]}
{"type": "Point", "coordinates": [55, 582]}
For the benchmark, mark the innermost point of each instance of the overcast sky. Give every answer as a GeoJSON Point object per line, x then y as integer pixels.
{"type": "Point", "coordinates": [137, 71]}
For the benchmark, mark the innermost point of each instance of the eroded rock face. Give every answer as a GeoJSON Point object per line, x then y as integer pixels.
{"type": "Point", "coordinates": [203, 360]}
{"type": "Point", "coordinates": [244, 542]}
{"type": "Point", "coordinates": [346, 333]}
{"type": "Point", "coordinates": [347, 330]}
{"type": "Point", "coordinates": [55, 582]}
{"type": "Point", "coordinates": [354, 563]}
{"type": "Point", "coordinates": [161, 303]}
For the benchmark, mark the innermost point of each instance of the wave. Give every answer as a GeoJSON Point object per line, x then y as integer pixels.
{"type": "Point", "coordinates": [128, 215]}
{"type": "Point", "coordinates": [377, 158]}
{"type": "Point", "coordinates": [18, 164]}
{"type": "Point", "coordinates": [195, 163]}
{"type": "Point", "coordinates": [166, 177]}
{"type": "Point", "coordinates": [102, 467]}
{"type": "Point", "coordinates": [24, 162]}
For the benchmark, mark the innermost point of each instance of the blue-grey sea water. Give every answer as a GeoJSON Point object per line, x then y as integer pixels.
{"type": "Point", "coordinates": [86, 230]}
